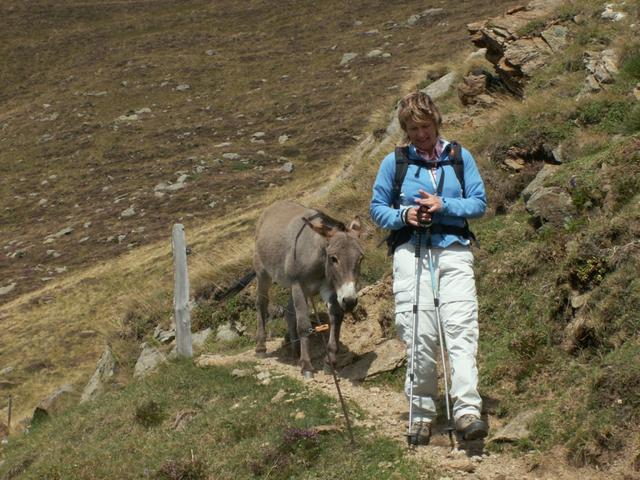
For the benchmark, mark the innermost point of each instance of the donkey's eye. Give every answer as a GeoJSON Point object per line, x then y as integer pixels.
{"type": "Point", "coordinates": [334, 259]}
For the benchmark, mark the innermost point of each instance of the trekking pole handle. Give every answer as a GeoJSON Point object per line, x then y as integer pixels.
{"type": "Point", "coordinates": [423, 214]}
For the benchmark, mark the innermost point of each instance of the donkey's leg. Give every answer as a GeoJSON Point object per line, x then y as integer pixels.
{"type": "Point", "coordinates": [294, 339]}
{"type": "Point", "coordinates": [336, 314]}
{"type": "Point", "coordinates": [303, 327]}
{"type": "Point", "coordinates": [263, 283]}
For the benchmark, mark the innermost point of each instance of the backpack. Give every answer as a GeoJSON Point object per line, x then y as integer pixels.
{"type": "Point", "coordinates": [398, 237]}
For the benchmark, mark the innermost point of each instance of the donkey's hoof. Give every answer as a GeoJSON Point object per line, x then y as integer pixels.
{"type": "Point", "coordinates": [307, 374]}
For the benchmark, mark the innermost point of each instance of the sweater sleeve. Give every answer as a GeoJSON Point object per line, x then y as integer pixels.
{"type": "Point", "coordinates": [382, 213]}
{"type": "Point", "coordinates": [474, 203]}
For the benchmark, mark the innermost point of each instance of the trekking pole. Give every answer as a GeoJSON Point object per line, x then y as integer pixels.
{"type": "Point", "coordinates": [323, 328]}
{"type": "Point", "coordinates": [412, 439]}
{"type": "Point", "coordinates": [443, 342]}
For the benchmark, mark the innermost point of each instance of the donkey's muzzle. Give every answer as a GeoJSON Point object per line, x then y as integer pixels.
{"type": "Point", "coordinates": [348, 304]}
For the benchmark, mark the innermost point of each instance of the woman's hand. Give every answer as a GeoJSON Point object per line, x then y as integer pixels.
{"type": "Point", "coordinates": [433, 203]}
{"type": "Point", "coordinates": [413, 213]}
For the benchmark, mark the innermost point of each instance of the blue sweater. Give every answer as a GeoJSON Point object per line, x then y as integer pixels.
{"type": "Point", "coordinates": [455, 208]}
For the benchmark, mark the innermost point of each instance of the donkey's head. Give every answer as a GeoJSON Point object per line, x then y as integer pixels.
{"type": "Point", "coordinates": [343, 257]}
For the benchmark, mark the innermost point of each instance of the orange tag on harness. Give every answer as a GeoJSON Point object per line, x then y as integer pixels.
{"type": "Point", "coordinates": [322, 328]}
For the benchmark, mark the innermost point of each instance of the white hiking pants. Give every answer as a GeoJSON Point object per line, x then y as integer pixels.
{"type": "Point", "coordinates": [459, 315]}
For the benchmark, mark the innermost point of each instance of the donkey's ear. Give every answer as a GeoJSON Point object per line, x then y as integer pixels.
{"type": "Point", "coordinates": [318, 226]}
{"type": "Point", "coordinates": [355, 227]}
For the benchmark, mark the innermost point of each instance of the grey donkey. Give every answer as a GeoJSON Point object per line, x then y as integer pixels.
{"type": "Point", "coordinates": [310, 253]}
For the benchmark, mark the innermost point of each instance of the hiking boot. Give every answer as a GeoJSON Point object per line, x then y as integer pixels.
{"type": "Point", "coordinates": [420, 433]}
{"type": "Point", "coordinates": [471, 427]}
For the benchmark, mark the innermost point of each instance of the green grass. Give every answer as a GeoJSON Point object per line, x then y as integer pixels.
{"type": "Point", "coordinates": [233, 431]}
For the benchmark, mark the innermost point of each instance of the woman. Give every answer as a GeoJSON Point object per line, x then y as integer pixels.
{"type": "Point", "coordinates": [432, 192]}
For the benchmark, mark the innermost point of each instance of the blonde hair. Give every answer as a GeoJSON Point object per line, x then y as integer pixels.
{"type": "Point", "coordinates": [419, 107]}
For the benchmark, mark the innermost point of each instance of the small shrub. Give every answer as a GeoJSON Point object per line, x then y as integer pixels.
{"type": "Point", "coordinates": [534, 27]}
{"type": "Point", "coordinates": [588, 272]}
{"type": "Point", "coordinates": [149, 414]}
{"type": "Point", "coordinates": [192, 469]}
{"type": "Point", "coordinates": [630, 62]}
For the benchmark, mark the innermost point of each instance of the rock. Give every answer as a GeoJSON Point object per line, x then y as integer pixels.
{"type": "Point", "coordinates": [148, 361]}
{"type": "Point", "coordinates": [240, 372]}
{"type": "Point", "coordinates": [63, 232]}
{"type": "Point", "coordinates": [517, 429]}
{"type": "Point", "coordinates": [551, 204]}
{"type": "Point", "coordinates": [546, 172]}
{"type": "Point", "coordinates": [198, 338]}
{"type": "Point", "coordinates": [479, 54]}
{"type": "Point", "coordinates": [183, 87]}
{"type": "Point", "coordinates": [287, 167]}
{"type": "Point", "coordinates": [164, 336]}
{"type": "Point", "coordinates": [374, 53]}
{"type": "Point", "coordinates": [441, 86]}
{"type": "Point", "coordinates": [210, 52]}
{"type": "Point", "coordinates": [515, 164]}
{"type": "Point", "coordinates": [55, 403]}
{"type": "Point", "coordinates": [347, 57]}
{"type": "Point", "coordinates": [556, 37]}
{"type": "Point", "coordinates": [602, 67]}
{"type": "Point", "coordinates": [636, 92]}
{"type": "Point", "coordinates": [6, 370]}
{"type": "Point", "coordinates": [7, 288]}
{"type": "Point", "coordinates": [104, 372]}
{"type": "Point", "coordinates": [129, 212]}
{"type": "Point", "coordinates": [473, 85]}
{"type": "Point", "coordinates": [130, 117]}
{"type": "Point", "coordinates": [431, 13]}
{"type": "Point", "coordinates": [385, 357]}
{"type": "Point", "coordinates": [231, 156]}
{"type": "Point", "coordinates": [558, 154]}
{"type": "Point", "coordinates": [87, 333]}
{"type": "Point", "coordinates": [225, 333]}
{"type": "Point", "coordinates": [610, 14]}
{"type": "Point", "coordinates": [282, 139]}
{"type": "Point", "coordinates": [279, 396]}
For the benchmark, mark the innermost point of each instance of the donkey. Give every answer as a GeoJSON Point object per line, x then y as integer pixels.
{"type": "Point", "coordinates": [308, 252]}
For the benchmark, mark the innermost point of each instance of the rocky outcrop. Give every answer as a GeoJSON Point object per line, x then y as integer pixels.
{"type": "Point", "coordinates": [515, 52]}
{"type": "Point", "coordinates": [104, 372]}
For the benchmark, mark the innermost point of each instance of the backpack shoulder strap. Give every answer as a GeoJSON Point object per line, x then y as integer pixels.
{"type": "Point", "coordinates": [457, 163]}
{"type": "Point", "coordinates": [402, 164]}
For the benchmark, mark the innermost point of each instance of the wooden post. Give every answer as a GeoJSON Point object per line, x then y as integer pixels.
{"type": "Point", "coordinates": [181, 292]}
{"type": "Point", "coordinates": [9, 415]}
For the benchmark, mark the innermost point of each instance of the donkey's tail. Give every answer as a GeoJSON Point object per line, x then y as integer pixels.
{"type": "Point", "coordinates": [238, 286]}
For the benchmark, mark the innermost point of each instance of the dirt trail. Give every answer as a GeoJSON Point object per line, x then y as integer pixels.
{"type": "Point", "coordinates": [387, 415]}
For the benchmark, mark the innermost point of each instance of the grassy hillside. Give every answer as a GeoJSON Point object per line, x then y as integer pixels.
{"type": "Point", "coordinates": [559, 302]}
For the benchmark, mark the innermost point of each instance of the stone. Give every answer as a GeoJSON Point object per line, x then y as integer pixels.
{"type": "Point", "coordinates": [278, 397]}
{"type": "Point", "coordinates": [347, 57]}
{"type": "Point", "coordinates": [556, 37]}
{"type": "Point", "coordinates": [473, 85]}
{"type": "Point", "coordinates": [517, 429]}
{"type": "Point", "coordinates": [148, 361]}
{"type": "Point", "coordinates": [551, 204]}
{"type": "Point", "coordinates": [515, 164]}
{"type": "Point", "coordinates": [198, 338]}
{"type": "Point", "coordinates": [441, 86]}
{"type": "Point", "coordinates": [240, 372]}
{"type": "Point", "coordinates": [231, 156]}
{"type": "Point", "coordinates": [7, 288]}
{"type": "Point", "coordinates": [282, 139]}
{"type": "Point", "coordinates": [385, 357]}
{"type": "Point", "coordinates": [55, 403]}
{"type": "Point", "coordinates": [7, 370]}
{"type": "Point", "coordinates": [287, 167]}
{"type": "Point", "coordinates": [225, 333]}
{"type": "Point", "coordinates": [636, 92]}
{"type": "Point", "coordinates": [129, 212]}
{"type": "Point", "coordinates": [63, 232]}
{"type": "Point", "coordinates": [374, 53]}
{"type": "Point", "coordinates": [183, 87]}
{"type": "Point", "coordinates": [610, 14]}
{"type": "Point", "coordinates": [164, 336]}
{"type": "Point", "coordinates": [105, 370]}
{"type": "Point", "coordinates": [546, 172]}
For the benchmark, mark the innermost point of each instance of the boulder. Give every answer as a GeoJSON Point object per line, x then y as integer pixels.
{"type": "Point", "coordinates": [148, 361]}
{"type": "Point", "coordinates": [517, 429]}
{"type": "Point", "coordinates": [441, 86]}
{"type": "Point", "coordinates": [552, 205]}
{"type": "Point", "coordinates": [546, 172]}
{"type": "Point", "coordinates": [104, 371]}
{"type": "Point", "coordinates": [225, 333]}
{"type": "Point", "coordinates": [385, 357]}
{"type": "Point", "coordinates": [57, 402]}
{"type": "Point", "coordinates": [473, 85]}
